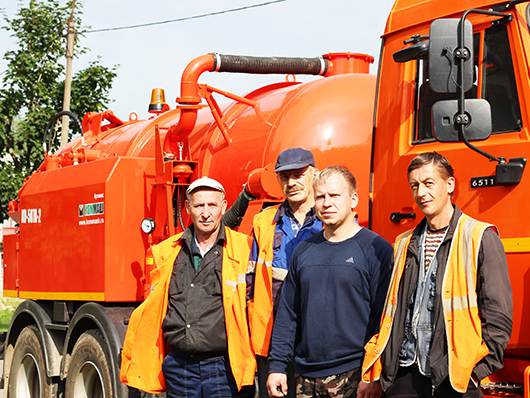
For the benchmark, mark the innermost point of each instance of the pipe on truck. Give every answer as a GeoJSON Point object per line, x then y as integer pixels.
{"type": "Point", "coordinates": [214, 62]}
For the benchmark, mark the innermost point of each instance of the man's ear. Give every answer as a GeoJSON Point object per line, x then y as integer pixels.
{"type": "Point", "coordinates": [187, 205]}
{"type": "Point", "coordinates": [354, 200]}
{"type": "Point", "coordinates": [451, 185]}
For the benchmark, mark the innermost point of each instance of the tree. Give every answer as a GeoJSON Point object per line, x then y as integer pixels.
{"type": "Point", "coordinates": [32, 89]}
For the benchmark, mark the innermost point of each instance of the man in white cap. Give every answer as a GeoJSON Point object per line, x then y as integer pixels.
{"type": "Point", "coordinates": [201, 275]}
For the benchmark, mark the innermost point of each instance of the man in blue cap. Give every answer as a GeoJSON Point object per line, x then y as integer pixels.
{"type": "Point", "coordinates": [277, 232]}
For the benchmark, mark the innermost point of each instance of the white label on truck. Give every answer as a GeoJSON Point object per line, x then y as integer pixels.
{"type": "Point", "coordinates": [30, 216]}
{"type": "Point", "coordinates": [91, 209]}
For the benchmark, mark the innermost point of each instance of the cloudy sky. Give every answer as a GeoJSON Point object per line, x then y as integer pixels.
{"type": "Point", "coordinates": [155, 56]}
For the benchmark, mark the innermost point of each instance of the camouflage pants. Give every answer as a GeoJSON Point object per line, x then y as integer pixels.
{"type": "Point", "coordinates": [343, 385]}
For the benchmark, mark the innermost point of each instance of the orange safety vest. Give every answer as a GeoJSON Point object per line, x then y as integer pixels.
{"type": "Point", "coordinates": [462, 322]}
{"type": "Point", "coordinates": [260, 315]}
{"type": "Point", "coordinates": [144, 349]}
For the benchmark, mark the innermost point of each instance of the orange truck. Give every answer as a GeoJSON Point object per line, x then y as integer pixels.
{"type": "Point", "coordinates": [453, 77]}
{"type": "Point", "coordinates": [89, 214]}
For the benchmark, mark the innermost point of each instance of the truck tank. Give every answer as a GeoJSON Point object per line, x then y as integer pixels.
{"type": "Point", "coordinates": [79, 257]}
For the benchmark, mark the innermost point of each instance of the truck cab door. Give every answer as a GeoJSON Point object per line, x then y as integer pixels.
{"type": "Point", "coordinates": [429, 103]}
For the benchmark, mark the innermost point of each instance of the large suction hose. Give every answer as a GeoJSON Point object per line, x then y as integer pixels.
{"type": "Point", "coordinates": [233, 64]}
{"type": "Point", "coordinates": [269, 65]}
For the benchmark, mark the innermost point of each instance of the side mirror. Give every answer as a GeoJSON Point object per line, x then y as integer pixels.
{"type": "Point", "coordinates": [446, 126]}
{"type": "Point", "coordinates": [445, 55]}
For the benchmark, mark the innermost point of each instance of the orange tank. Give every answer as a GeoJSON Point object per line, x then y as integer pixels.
{"type": "Point", "coordinates": [80, 236]}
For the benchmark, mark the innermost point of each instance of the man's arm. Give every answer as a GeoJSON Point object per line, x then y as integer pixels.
{"type": "Point", "coordinates": [234, 215]}
{"type": "Point", "coordinates": [494, 294]}
{"type": "Point", "coordinates": [286, 321]}
{"type": "Point", "coordinates": [379, 282]}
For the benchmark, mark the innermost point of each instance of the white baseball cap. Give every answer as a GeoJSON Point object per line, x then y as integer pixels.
{"type": "Point", "coordinates": [205, 182]}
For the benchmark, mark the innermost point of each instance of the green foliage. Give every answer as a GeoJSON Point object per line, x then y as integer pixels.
{"type": "Point", "coordinates": [7, 309]}
{"type": "Point", "coordinates": [90, 88]}
{"type": "Point", "coordinates": [33, 88]}
{"type": "Point", "coordinates": [10, 182]}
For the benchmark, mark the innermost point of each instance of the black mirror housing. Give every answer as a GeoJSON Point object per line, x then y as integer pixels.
{"type": "Point", "coordinates": [445, 55]}
{"type": "Point", "coordinates": [446, 127]}
{"type": "Point", "coordinates": [416, 51]}
{"type": "Point", "coordinates": [510, 173]}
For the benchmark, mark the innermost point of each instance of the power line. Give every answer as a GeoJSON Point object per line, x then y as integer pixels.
{"type": "Point", "coordinates": [186, 18]}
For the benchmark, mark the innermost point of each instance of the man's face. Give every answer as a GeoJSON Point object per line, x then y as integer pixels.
{"type": "Point", "coordinates": [333, 202]}
{"type": "Point", "coordinates": [431, 192]}
{"type": "Point", "coordinates": [296, 184]}
{"type": "Point", "coordinates": [206, 208]}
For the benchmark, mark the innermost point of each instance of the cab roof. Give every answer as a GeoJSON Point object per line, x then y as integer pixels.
{"type": "Point", "coordinates": [407, 13]}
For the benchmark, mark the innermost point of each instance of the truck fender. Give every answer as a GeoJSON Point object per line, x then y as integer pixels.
{"type": "Point", "coordinates": [112, 321]}
{"type": "Point", "coordinates": [37, 313]}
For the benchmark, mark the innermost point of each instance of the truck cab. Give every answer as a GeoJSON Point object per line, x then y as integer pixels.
{"type": "Point", "coordinates": [454, 79]}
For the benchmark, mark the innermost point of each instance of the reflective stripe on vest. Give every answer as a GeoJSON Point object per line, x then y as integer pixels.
{"type": "Point", "coordinates": [241, 278]}
{"type": "Point", "coordinates": [462, 322]}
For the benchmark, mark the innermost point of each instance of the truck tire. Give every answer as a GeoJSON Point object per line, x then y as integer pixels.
{"type": "Point", "coordinates": [89, 375]}
{"type": "Point", "coordinates": [27, 378]}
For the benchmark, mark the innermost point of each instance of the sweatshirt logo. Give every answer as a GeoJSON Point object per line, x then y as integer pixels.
{"type": "Point", "coordinates": [350, 260]}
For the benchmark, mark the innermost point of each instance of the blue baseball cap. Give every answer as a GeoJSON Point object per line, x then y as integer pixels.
{"type": "Point", "coordinates": [294, 158]}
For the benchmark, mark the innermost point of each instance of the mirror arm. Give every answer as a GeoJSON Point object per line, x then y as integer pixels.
{"type": "Point", "coordinates": [491, 158]}
{"type": "Point", "coordinates": [462, 119]}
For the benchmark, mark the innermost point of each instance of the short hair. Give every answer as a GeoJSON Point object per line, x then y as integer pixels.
{"type": "Point", "coordinates": [350, 179]}
{"type": "Point", "coordinates": [439, 161]}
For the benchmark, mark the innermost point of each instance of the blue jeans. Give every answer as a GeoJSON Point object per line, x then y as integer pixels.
{"type": "Point", "coordinates": [210, 378]}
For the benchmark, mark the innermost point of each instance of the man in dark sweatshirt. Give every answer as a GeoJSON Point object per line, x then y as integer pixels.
{"type": "Point", "coordinates": [332, 298]}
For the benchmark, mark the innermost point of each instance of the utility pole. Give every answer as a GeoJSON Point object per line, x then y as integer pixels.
{"type": "Point", "coordinates": [68, 79]}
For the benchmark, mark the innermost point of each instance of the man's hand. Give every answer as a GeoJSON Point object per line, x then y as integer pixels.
{"type": "Point", "coordinates": [369, 390]}
{"type": "Point", "coordinates": [277, 385]}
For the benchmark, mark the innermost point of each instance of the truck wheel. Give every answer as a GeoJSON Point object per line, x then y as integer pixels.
{"type": "Point", "coordinates": [89, 373]}
{"type": "Point", "coordinates": [28, 370]}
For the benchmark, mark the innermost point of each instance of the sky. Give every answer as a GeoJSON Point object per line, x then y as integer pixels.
{"type": "Point", "coordinates": [155, 56]}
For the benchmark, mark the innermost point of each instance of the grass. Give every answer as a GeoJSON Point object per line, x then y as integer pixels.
{"type": "Point", "coordinates": [7, 308]}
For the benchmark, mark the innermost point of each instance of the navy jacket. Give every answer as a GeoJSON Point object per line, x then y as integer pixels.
{"type": "Point", "coordinates": [331, 304]}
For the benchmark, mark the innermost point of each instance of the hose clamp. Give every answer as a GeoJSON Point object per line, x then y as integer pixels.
{"type": "Point", "coordinates": [216, 62]}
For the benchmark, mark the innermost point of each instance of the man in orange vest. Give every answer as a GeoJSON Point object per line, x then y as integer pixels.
{"type": "Point", "coordinates": [448, 316]}
{"type": "Point", "coordinates": [196, 308]}
{"type": "Point", "coordinates": [332, 298]}
{"type": "Point", "coordinates": [277, 232]}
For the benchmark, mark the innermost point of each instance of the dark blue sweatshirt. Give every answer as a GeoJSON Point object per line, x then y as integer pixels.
{"type": "Point", "coordinates": [331, 304]}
